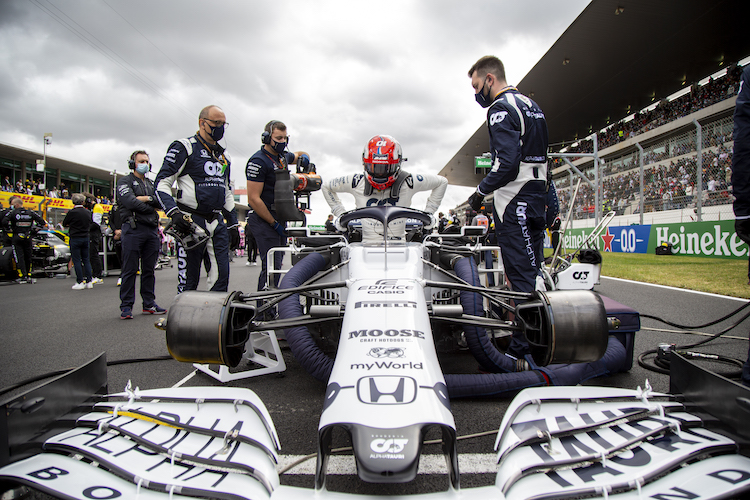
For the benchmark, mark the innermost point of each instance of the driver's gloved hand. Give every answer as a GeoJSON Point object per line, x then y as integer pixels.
{"type": "Point", "coordinates": [234, 238]}
{"type": "Point", "coordinates": [183, 223]}
{"type": "Point", "coordinates": [475, 200]}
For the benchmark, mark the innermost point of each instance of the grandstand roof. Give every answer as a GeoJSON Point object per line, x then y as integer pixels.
{"type": "Point", "coordinates": [621, 62]}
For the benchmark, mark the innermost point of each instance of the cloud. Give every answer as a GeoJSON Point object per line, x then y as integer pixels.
{"type": "Point", "coordinates": [113, 76]}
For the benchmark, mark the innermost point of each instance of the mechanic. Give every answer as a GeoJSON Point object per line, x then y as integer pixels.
{"type": "Point", "coordinates": [481, 219]}
{"type": "Point", "coordinates": [384, 183]}
{"type": "Point", "coordinates": [78, 222]}
{"type": "Point", "coordinates": [20, 222]}
{"type": "Point", "coordinates": [442, 222]}
{"type": "Point", "coordinates": [330, 226]}
{"type": "Point", "coordinates": [741, 176]}
{"type": "Point", "coordinates": [139, 235]}
{"type": "Point", "coordinates": [518, 177]}
{"type": "Point", "coordinates": [261, 181]}
{"type": "Point", "coordinates": [95, 237]}
{"type": "Point", "coordinates": [453, 218]}
{"type": "Point", "coordinates": [6, 239]}
{"type": "Point", "coordinates": [200, 166]}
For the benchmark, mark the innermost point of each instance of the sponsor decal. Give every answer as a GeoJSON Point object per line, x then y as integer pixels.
{"type": "Point", "coordinates": [700, 239]}
{"type": "Point", "coordinates": [390, 201]}
{"type": "Point", "coordinates": [709, 239]}
{"type": "Point", "coordinates": [386, 390]}
{"type": "Point", "coordinates": [608, 240]}
{"type": "Point", "coordinates": [387, 365]}
{"type": "Point", "coordinates": [521, 215]}
{"type": "Point", "coordinates": [204, 154]}
{"type": "Point", "coordinates": [386, 286]}
{"type": "Point", "coordinates": [498, 117]}
{"type": "Point", "coordinates": [386, 333]}
{"type": "Point", "coordinates": [581, 275]}
{"type": "Point", "coordinates": [213, 168]}
{"type": "Point", "coordinates": [395, 304]}
{"type": "Point", "coordinates": [388, 447]}
{"type": "Point", "coordinates": [181, 267]}
{"type": "Point", "coordinates": [524, 100]}
{"type": "Point", "coordinates": [386, 352]}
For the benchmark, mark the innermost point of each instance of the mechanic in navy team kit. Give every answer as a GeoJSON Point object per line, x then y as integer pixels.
{"type": "Point", "coordinates": [518, 177]}
{"type": "Point", "coordinates": [200, 167]}
{"type": "Point", "coordinates": [139, 234]}
{"type": "Point", "coordinates": [20, 221]}
{"type": "Point", "coordinates": [741, 176]}
{"type": "Point", "coordinates": [261, 181]}
{"type": "Point", "coordinates": [384, 182]}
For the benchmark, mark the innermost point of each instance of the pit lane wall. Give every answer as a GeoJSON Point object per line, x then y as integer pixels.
{"type": "Point", "coordinates": [716, 239]}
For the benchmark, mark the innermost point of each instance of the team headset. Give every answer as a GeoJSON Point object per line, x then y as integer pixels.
{"type": "Point", "coordinates": [131, 161]}
{"type": "Point", "coordinates": [265, 137]}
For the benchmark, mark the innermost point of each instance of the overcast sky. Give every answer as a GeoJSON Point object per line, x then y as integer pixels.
{"type": "Point", "coordinates": [107, 77]}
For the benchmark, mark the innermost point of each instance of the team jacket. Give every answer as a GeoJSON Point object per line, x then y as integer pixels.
{"type": "Point", "coordinates": [202, 177]}
{"type": "Point", "coordinates": [741, 153]}
{"type": "Point", "coordinates": [128, 188]}
{"type": "Point", "coordinates": [20, 220]}
{"type": "Point", "coordinates": [518, 144]}
{"type": "Point", "coordinates": [356, 185]}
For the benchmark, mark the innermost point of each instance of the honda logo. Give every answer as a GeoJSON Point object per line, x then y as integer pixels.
{"type": "Point", "coordinates": [387, 390]}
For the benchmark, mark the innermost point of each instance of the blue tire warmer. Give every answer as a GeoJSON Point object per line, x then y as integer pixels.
{"type": "Point", "coordinates": [505, 383]}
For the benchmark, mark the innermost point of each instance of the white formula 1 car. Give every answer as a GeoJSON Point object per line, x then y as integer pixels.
{"type": "Point", "coordinates": [386, 307]}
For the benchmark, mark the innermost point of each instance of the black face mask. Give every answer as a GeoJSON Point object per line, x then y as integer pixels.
{"type": "Point", "coordinates": [279, 147]}
{"type": "Point", "coordinates": [216, 132]}
{"type": "Point", "coordinates": [483, 100]}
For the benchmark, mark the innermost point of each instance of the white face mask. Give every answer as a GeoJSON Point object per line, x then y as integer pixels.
{"type": "Point", "coordinates": [142, 168]}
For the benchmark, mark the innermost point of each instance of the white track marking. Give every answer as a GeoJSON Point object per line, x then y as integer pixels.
{"type": "Point", "coordinates": [468, 463]}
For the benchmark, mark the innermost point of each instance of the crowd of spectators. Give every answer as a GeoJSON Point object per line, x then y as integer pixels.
{"type": "Point", "coordinates": [699, 97]}
{"type": "Point", "coordinates": [669, 171]}
{"type": "Point", "coordinates": [33, 187]}
{"type": "Point", "coordinates": [666, 185]}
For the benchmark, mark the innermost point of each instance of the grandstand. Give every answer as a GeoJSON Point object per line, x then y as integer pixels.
{"type": "Point", "coordinates": [660, 95]}
{"type": "Point", "coordinates": [673, 188]}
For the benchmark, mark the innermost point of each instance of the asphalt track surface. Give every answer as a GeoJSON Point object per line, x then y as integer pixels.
{"type": "Point", "coordinates": [48, 327]}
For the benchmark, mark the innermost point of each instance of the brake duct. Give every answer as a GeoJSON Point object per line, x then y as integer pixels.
{"type": "Point", "coordinates": [320, 365]}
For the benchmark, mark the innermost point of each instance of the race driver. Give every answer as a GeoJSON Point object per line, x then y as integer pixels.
{"type": "Point", "coordinates": [200, 167]}
{"type": "Point", "coordinates": [384, 183]}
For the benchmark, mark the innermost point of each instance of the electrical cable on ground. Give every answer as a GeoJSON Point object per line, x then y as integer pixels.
{"type": "Point", "coordinates": [660, 363]}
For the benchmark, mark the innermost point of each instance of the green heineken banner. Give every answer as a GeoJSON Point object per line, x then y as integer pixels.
{"type": "Point", "coordinates": [482, 162]}
{"type": "Point", "coordinates": [703, 239]}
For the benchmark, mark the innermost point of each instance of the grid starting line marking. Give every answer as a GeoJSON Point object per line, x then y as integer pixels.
{"type": "Point", "coordinates": [468, 463]}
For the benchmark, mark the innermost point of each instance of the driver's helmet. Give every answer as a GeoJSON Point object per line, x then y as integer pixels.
{"type": "Point", "coordinates": [382, 161]}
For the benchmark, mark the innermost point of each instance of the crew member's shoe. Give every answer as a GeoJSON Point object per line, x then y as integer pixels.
{"type": "Point", "coordinates": [89, 284]}
{"type": "Point", "coordinates": [97, 281]}
{"type": "Point", "coordinates": [119, 281]}
{"type": "Point", "coordinates": [79, 286]}
{"type": "Point", "coordinates": [154, 309]}
{"type": "Point", "coordinates": [126, 313]}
